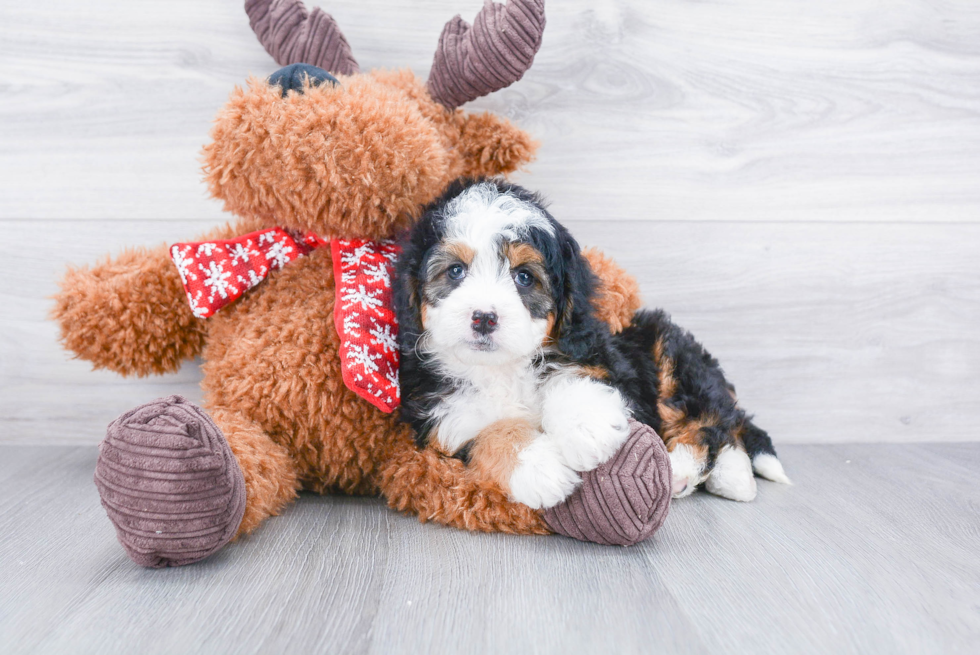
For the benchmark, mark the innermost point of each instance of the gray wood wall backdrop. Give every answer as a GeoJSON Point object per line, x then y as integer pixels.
{"type": "Point", "coordinates": [797, 182]}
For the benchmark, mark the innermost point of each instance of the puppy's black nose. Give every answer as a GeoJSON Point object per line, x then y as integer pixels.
{"type": "Point", "coordinates": [484, 322]}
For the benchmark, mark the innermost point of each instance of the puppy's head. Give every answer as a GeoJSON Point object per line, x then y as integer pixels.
{"type": "Point", "coordinates": [488, 277]}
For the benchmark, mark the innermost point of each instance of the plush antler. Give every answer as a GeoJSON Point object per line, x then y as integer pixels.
{"type": "Point", "coordinates": [293, 36]}
{"type": "Point", "coordinates": [494, 53]}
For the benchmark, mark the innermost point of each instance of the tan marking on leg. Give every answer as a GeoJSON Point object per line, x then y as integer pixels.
{"type": "Point", "coordinates": [670, 417]}
{"type": "Point", "coordinates": [678, 428]}
{"type": "Point", "coordinates": [495, 451]}
{"type": "Point", "coordinates": [594, 372]}
{"type": "Point", "coordinates": [687, 431]}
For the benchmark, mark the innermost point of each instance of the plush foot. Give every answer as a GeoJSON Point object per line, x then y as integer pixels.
{"type": "Point", "coordinates": [169, 483]}
{"type": "Point", "coordinates": [623, 501]}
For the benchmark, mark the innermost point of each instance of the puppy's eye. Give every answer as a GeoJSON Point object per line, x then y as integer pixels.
{"type": "Point", "coordinates": [523, 278]}
{"type": "Point", "coordinates": [456, 272]}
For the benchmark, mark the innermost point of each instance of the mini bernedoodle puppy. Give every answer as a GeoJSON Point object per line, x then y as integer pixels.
{"type": "Point", "coordinates": [504, 366]}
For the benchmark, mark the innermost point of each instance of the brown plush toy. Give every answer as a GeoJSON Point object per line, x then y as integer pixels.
{"type": "Point", "coordinates": [352, 156]}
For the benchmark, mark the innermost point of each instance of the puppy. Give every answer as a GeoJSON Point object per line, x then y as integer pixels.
{"type": "Point", "coordinates": [504, 365]}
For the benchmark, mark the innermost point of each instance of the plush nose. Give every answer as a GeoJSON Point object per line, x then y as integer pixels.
{"type": "Point", "coordinates": [484, 322]}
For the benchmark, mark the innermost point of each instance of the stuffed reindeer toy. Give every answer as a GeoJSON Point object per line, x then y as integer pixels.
{"type": "Point", "coordinates": [289, 305]}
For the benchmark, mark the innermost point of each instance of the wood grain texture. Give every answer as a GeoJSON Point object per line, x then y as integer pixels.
{"type": "Point", "coordinates": [872, 551]}
{"type": "Point", "coordinates": [733, 110]}
{"type": "Point", "coordinates": [830, 332]}
{"type": "Point", "coordinates": [830, 125]}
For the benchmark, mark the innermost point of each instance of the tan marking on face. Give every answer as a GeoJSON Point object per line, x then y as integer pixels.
{"type": "Point", "coordinates": [496, 448]}
{"type": "Point", "coordinates": [550, 334]}
{"type": "Point", "coordinates": [520, 254]}
{"type": "Point", "coordinates": [461, 251]}
{"type": "Point", "coordinates": [424, 315]}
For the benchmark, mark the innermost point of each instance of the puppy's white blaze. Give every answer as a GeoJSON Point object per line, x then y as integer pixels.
{"type": "Point", "coordinates": [540, 479]}
{"type": "Point", "coordinates": [450, 325]}
{"type": "Point", "coordinates": [481, 216]}
{"type": "Point", "coordinates": [685, 465]}
{"type": "Point", "coordinates": [732, 476]}
{"type": "Point", "coordinates": [770, 468]}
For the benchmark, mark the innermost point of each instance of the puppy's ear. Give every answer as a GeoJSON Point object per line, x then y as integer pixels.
{"type": "Point", "coordinates": [407, 283]}
{"type": "Point", "coordinates": [579, 332]}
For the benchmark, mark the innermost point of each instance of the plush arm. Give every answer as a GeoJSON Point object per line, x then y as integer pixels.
{"type": "Point", "coordinates": [130, 314]}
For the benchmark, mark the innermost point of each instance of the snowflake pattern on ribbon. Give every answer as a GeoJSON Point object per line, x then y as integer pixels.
{"type": "Point", "coordinates": [364, 315]}
{"type": "Point", "coordinates": [216, 273]}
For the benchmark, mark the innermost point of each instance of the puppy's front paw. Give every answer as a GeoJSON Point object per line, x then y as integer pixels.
{"type": "Point", "coordinates": [541, 480]}
{"type": "Point", "coordinates": [587, 420]}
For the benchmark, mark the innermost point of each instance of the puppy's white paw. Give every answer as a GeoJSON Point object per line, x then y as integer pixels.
{"type": "Point", "coordinates": [732, 476]}
{"type": "Point", "coordinates": [540, 479]}
{"type": "Point", "coordinates": [685, 466]}
{"type": "Point", "coordinates": [587, 420]}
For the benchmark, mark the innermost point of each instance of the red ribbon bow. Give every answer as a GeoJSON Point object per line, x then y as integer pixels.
{"type": "Point", "coordinates": [216, 273]}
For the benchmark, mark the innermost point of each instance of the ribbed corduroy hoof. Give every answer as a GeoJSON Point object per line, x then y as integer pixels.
{"type": "Point", "coordinates": [170, 483]}
{"type": "Point", "coordinates": [623, 501]}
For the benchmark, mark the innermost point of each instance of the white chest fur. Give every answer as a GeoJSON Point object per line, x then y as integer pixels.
{"type": "Point", "coordinates": [486, 394]}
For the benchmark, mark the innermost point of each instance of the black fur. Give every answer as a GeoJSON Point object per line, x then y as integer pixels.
{"type": "Point", "coordinates": [701, 390]}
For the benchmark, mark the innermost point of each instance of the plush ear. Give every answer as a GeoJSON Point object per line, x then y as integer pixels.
{"type": "Point", "coordinates": [491, 145]}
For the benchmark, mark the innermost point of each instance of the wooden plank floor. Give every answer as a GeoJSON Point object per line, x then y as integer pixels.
{"type": "Point", "coordinates": [873, 550]}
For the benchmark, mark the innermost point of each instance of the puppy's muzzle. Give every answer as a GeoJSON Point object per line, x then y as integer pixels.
{"type": "Point", "coordinates": [484, 322]}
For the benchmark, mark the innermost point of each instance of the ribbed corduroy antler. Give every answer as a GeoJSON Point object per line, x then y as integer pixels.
{"type": "Point", "coordinates": [293, 36]}
{"type": "Point", "coordinates": [493, 53]}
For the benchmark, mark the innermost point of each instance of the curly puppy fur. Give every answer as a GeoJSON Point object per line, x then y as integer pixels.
{"type": "Point", "coordinates": [669, 380]}
{"type": "Point", "coordinates": [359, 160]}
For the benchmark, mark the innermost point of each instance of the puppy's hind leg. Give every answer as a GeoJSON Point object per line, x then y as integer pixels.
{"type": "Point", "coordinates": [732, 475]}
{"type": "Point", "coordinates": [759, 448]}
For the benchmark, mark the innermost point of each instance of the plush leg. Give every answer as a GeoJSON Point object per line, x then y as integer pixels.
{"type": "Point", "coordinates": [441, 489]}
{"type": "Point", "coordinates": [177, 490]}
{"type": "Point", "coordinates": [271, 481]}
{"type": "Point", "coordinates": [130, 314]}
